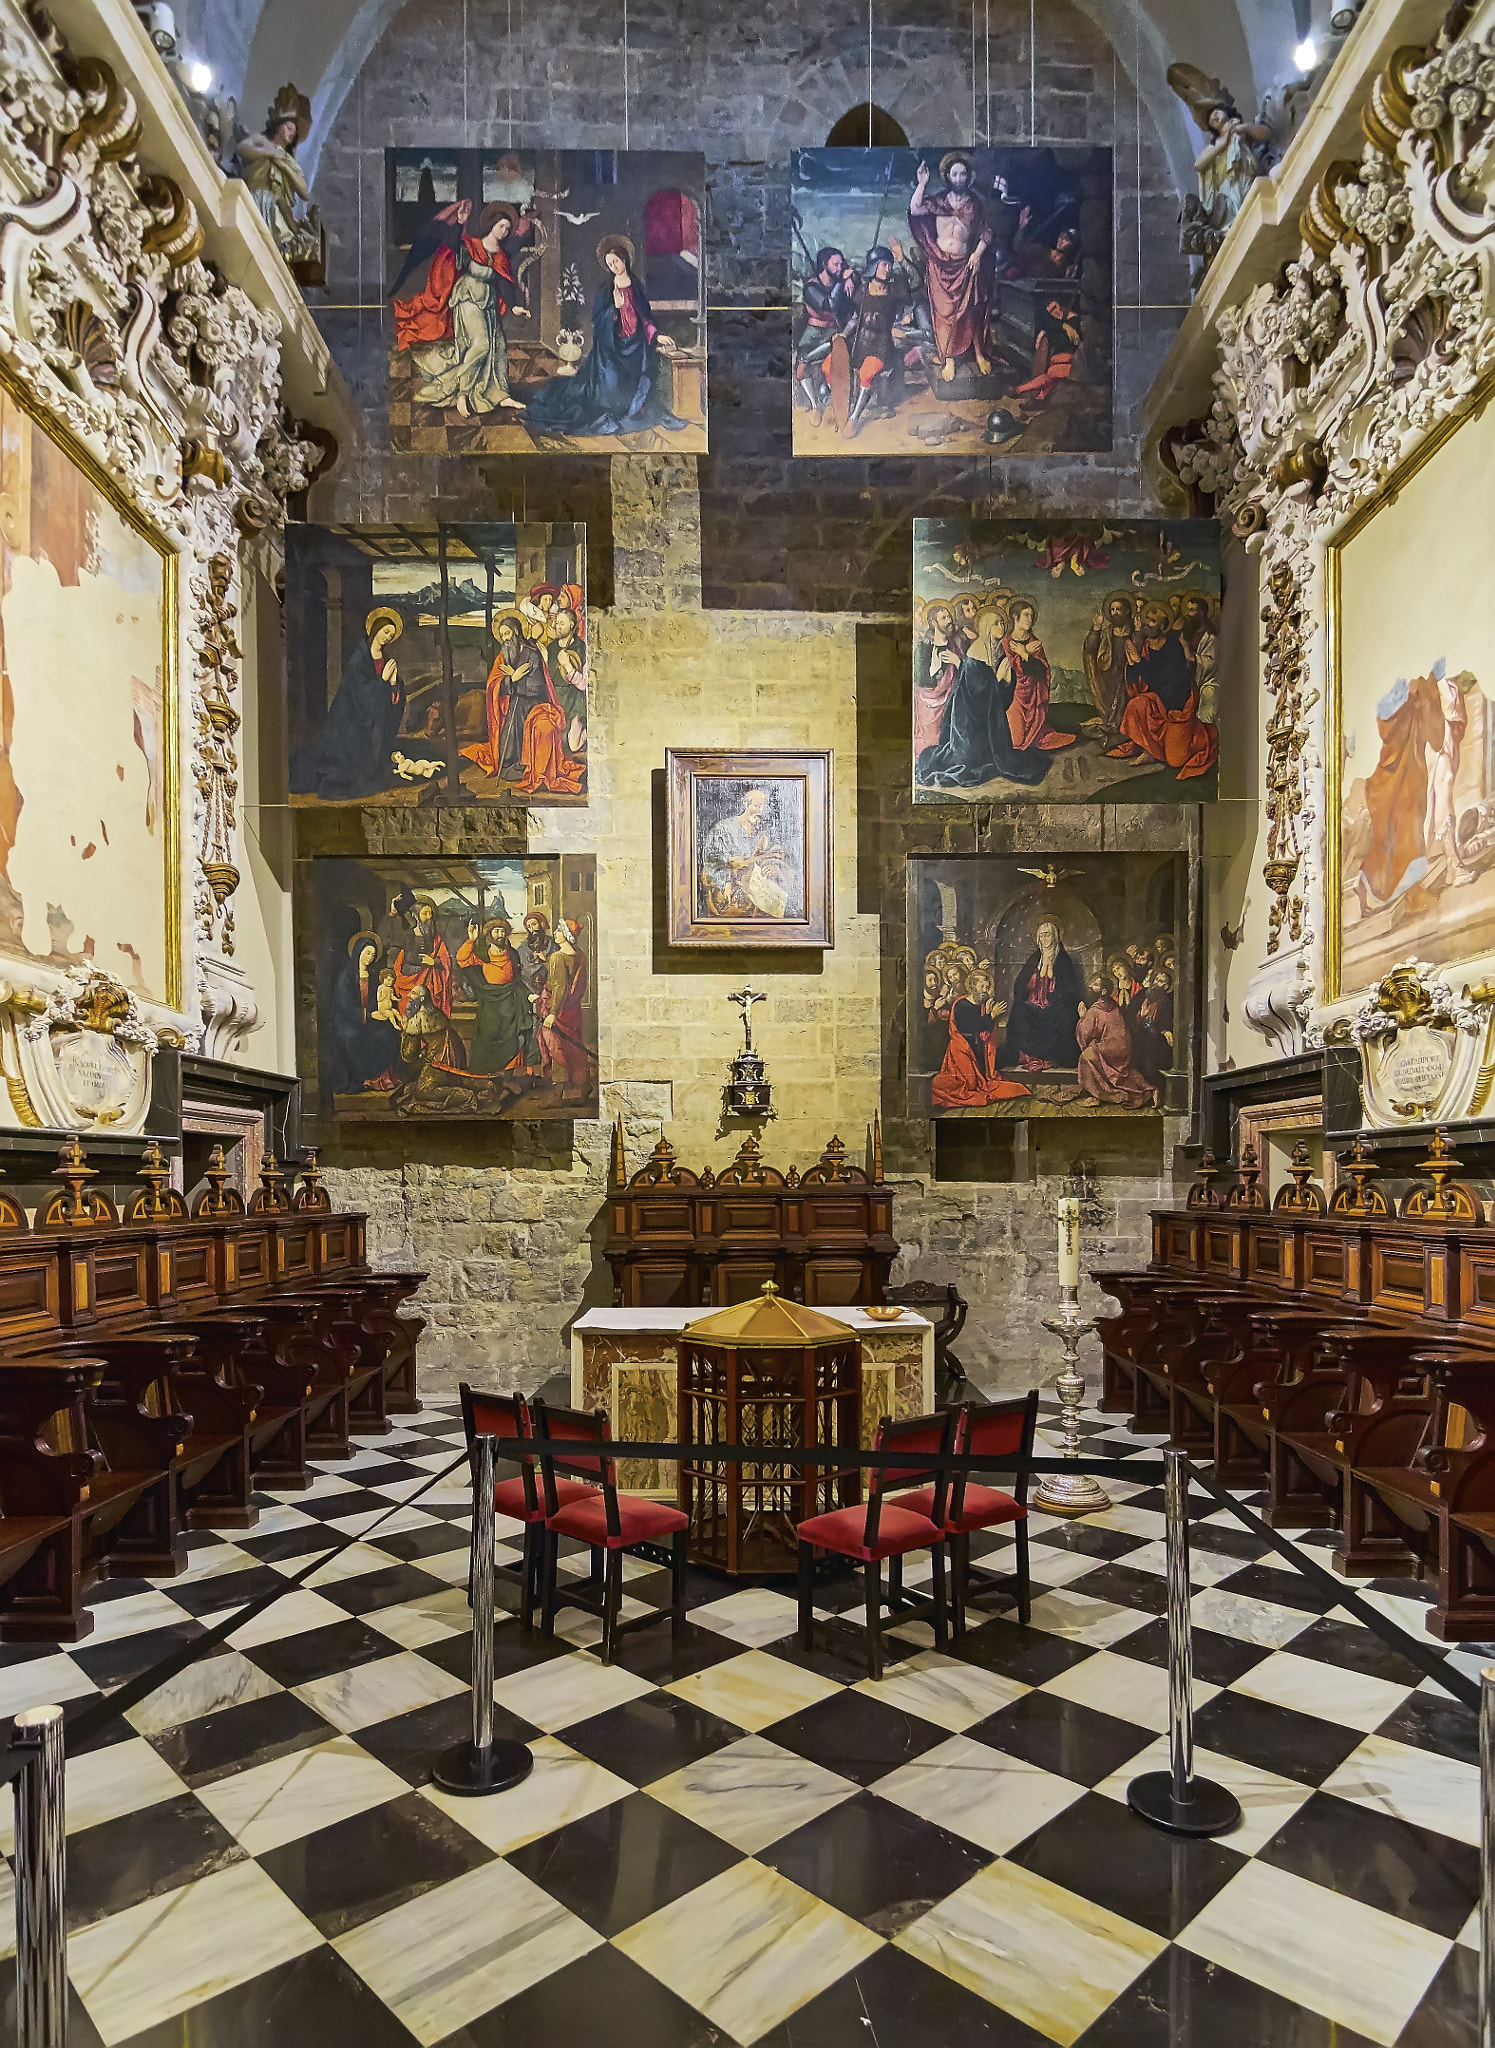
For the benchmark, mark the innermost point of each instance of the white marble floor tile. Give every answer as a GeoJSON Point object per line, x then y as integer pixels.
{"type": "Point", "coordinates": [7, 1912]}
{"type": "Point", "coordinates": [1468, 1934]}
{"type": "Point", "coordinates": [295, 1795]}
{"type": "Point", "coordinates": [1130, 1521]}
{"type": "Point", "coordinates": [429, 1618]}
{"type": "Point", "coordinates": [943, 1690]}
{"type": "Point", "coordinates": [752, 1792]}
{"type": "Point", "coordinates": [355, 1562]}
{"type": "Point", "coordinates": [976, 1792]}
{"type": "Point", "coordinates": [1049, 1564]}
{"type": "Point", "coordinates": [1415, 1785]}
{"type": "Point", "coordinates": [1267, 1801]}
{"type": "Point", "coordinates": [1068, 1611]}
{"type": "Point", "coordinates": [291, 1615]}
{"type": "Point", "coordinates": [565, 1689]}
{"type": "Point", "coordinates": [562, 1787]}
{"type": "Point", "coordinates": [1328, 1690]}
{"type": "Point", "coordinates": [397, 1489]}
{"type": "Point", "coordinates": [212, 1560]}
{"type": "Point", "coordinates": [377, 1691]}
{"type": "Point", "coordinates": [451, 1565]}
{"type": "Point", "coordinates": [101, 1785]}
{"type": "Point", "coordinates": [1206, 1567]}
{"type": "Point", "coordinates": [1124, 1687]}
{"type": "Point", "coordinates": [129, 1616]}
{"type": "Point", "coordinates": [44, 1682]}
{"type": "Point", "coordinates": [754, 1616]}
{"type": "Point", "coordinates": [458, 1951]}
{"type": "Point", "coordinates": [361, 1524]}
{"type": "Point", "coordinates": [224, 1680]}
{"type": "Point", "coordinates": [583, 1631]}
{"type": "Point", "coordinates": [1261, 1622]}
{"type": "Point", "coordinates": [1041, 1953]}
{"type": "Point", "coordinates": [754, 1690]}
{"type": "Point", "coordinates": [1318, 1949]}
{"type": "Point", "coordinates": [747, 1949]}
{"type": "Point", "coordinates": [143, 1966]}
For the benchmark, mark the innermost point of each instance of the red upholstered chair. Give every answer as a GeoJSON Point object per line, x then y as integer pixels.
{"type": "Point", "coordinates": [507, 1415]}
{"type": "Point", "coordinates": [611, 1522]}
{"type": "Point", "coordinates": [884, 1528]}
{"type": "Point", "coordinates": [1003, 1432]}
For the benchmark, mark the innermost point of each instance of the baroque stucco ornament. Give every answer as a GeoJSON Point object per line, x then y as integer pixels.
{"type": "Point", "coordinates": [1327, 380]}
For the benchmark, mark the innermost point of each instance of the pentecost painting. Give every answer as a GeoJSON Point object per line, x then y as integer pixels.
{"type": "Point", "coordinates": [452, 988]}
{"type": "Point", "coordinates": [437, 666]}
{"type": "Point", "coordinates": [1065, 663]}
{"type": "Point", "coordinates": [950, 301]}
{"type": "Point", "coordinates": [546, 299]}
{"type": "Point", "coordinates": [1047, 986]}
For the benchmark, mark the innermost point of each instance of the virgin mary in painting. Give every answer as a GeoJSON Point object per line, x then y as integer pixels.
{"type": "Point", "coordinates": [349, 757]}
{"type": "Point", "coordinates": [619, 387]}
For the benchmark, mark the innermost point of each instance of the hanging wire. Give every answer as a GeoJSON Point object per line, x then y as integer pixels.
{"type": "Point", "coordinates": [509, 63]}
{"type": "Point", "coordinates": [1032, 70]}
{"type": "Point", "coordinates": [464, 70]}
{"type": "Point", "coordinates": [988, 74]}
{"type": "Point", "coordinates": [869, 73]}
{"type": "Point", "coordinates": [625, 74]}
{"type": "Point", "coordinates": [974, 129]}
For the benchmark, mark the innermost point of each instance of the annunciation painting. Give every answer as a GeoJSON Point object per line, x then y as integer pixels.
{"type": "Point", "coordinates": [89, 846]}
{"type": "Point", "coordinates": [749, 849]}
{"type": "Point", "coordinates": [1046, 986]}
{"type": "Point", "coordinates": [951, 301]}
{"type": "Point", "coordinates": [545, 298]}
{"type": "Point", "coordinates": [437, 666]}
{"type": "Point", "coordinates": [454, 988]}
{"type": "Point", "coordinates": [1412, 718]}
{"type": "Point", "coordinates": [1065, 664]}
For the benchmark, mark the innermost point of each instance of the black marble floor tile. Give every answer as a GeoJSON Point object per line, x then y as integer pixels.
{"type": "Point", "coordinates": [1087, 1542]}
{"type": "Point", "coordinates": [894, 2001]}
{"type": "Point", "coordinates": [839, 1650]}
{"type": "Point", "coordinates": [1099, 1849]}
{"type": "Point", "coordinates": [1435, 1721]}
{"type": "Point", "coordinates": [281, 1545]}
{"type": "Point", "coordinates": [388, 1471]}
{"type": "Point", "coordinates": [1030, 1655]}
{"type": "Point", "coordinates": [1425, 1595]}
{"type": "Point", "coordinates": [1181, 2001]}
{"type": "Point", "coordinates": [104, 1592]}
{"type": "Point", "coordinates": [351, 1872]}
{"type": "Point", "coordinates": [140, 1855]}
{"type": "Point", "coordinates": [1141, 1592]}
{"type": "Point", "coordinates": [1218, 1660]}
{"type": "Point", "coordinates": [1427, 1879]}
{"type": "Point", "coordinates": [1297, 1746]}
{"type": "Point", "coordinates": [1059, 1735]}
{"type": "Point", "coordinates": [649, 1738]}
{"type": "Point", "coordinates": [355, 1500]}
{"type": "Point", "coordinates": [603, 2000]}
{"type": "Point", "coordinates": [1448, 2016]}
{"type": "Point", "coordinates": [1281, 1585]}
{"type": "Point", "coordinates": [615, 1867]}
{"type": "Point", "coordinates": [81, 2031]}
{"type": "Point", "coordinates": [409, 1744]}
{"type": "Point", "coordinates": [314, 2001]}
{"type": "Point", "coordinates": [876, 1862]}
{"type": "Point", "coordinates": [856, 1736]}
{"type": "Point", "coordinates": [315, 1652]}
{"type": "Point", "coordinates": [1225, 1539]}
{"type": "Point", "coordinates": [372, 1590]}
{"type": "Point", "coordinates": [238, 1738]}
{"type": "Point", "coordinates": [115, 1729]}
{"type": "Point", "coordinates": [514, 1649]}
{"type": "Point", "coordinates": [656, 1653]}
{"type": "Point", "coordinates": [410, 1545]}
{"type": "Point", "coordinates": [1353, 1648]}
{"type": "Point", "coordinates": [12, 1654]}
{"type": "Point", "coordinates": [125, 1657]}
{"type": "Point", "coordinates": [228, 1589]}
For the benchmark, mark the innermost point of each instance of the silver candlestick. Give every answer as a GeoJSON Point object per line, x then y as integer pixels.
{"type": "Point", "coordinates": [1070, 1493]}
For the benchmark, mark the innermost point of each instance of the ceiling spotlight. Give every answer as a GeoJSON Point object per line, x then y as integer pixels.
{"type": "Point", "coordinates": [1306, 55]}
{"type": "Point", "coordinates": [200, 77]}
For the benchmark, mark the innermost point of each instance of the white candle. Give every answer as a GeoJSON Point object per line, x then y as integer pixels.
{"type": "Point", "coordinates": [1069, 1240]}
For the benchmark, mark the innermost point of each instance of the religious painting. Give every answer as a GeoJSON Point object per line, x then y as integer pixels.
{"type": "Point", "coordinates": [437, 665]}
{"type": "Point", "coordinates": [951, 302]}
{"type": "Point", "coordinates": [549, 299]}
{"type": "Point", "coordinates": [1065, 663]}
{"type": "Point", "coordinates": [749, 849]}
{"type": "Point", "coordinates": [453, 988]}
{"type": "Point", "coordinates": [90, 853]}
{"type": "Point", "coordinates": [1411, 802]}
{"type": "Point", "coordinates": [1047, 986]}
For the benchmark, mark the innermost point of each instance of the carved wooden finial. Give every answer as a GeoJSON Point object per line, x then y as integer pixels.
{"type": "Point", "coordinates": [270, 1198]}
{"type": "Point", "coordinates": [617, 1174]}
{"type": "Point", "coordinates": [311, 1194]}
{"type": "Point", "coordinates": [1358, 1197]}
{"type": "Point", "coordinates": [833, 1161]}
{"type": "Point", "coordinates": [1202, 1195]}
{"type": "Point", "coordinates": [74, 1171]}
{"type": "Point", "coordinates": [877, 1165]}
{"type": "Point", "coordinates": [156, 1173]}
{"type": "Point", "coordinates": [1451, 1199]}
{"type": "Point", "coordinates": [660, 1169]}
{"type": "Point", "coordinates": [1302, 1195]}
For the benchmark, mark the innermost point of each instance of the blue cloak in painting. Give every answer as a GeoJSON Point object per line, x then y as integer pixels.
{"type": "Point", "coordinates": [618, 388]}
{"type": "Point", "coordinates": [349, 758]}
{"type": "Point", "coordinates": [975, 742]}
{"type": "Point", "coordinates": [360, 1048]}
{"type": "Point", "coordinates": [1045, 1013]}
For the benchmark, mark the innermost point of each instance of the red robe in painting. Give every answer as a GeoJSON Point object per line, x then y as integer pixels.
{"type": "Point", "coordinates": [411, 974]}
{"type": "Point", "coordinates": [425, 318]}
{"type": "Point", "coordinates": [1028, 713]}
{"type": "Point", "coordinates": [1106, 1072]}
{"type": "Point", "coordinates": [1160, 716]}
{"type": "Point", "coordinates": [544, 762]}
{"type": "Point", "coordinates": [968, 1078]}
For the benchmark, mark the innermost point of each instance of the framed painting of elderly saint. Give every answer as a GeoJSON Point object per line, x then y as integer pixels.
{"type": "Point", "coordinates": [548, 299]}
{"type": "Point", "coordinates": [749, 849]}
{"type": "Point", "coordinates": [951, 302]}
{"type": "Point", "coordinates": [437, 665]}
{"type": "Point", "coordinates": [1048, 986]}
{"type": "Point", "coordinates": [1411, 759]}
{"type": "Point", "coordinates": [450, 989]}
{"type": "Point", "coordinates": [1069, 663]}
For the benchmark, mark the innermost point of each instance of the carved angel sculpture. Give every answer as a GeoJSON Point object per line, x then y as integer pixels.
{"type": "Point", "coordinates": [1236, 152]}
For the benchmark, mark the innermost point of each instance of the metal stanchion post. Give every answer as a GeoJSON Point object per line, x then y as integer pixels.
{"type": "Point", "coordinates": [482, 1765]}
{"type": "Point", "coordinates": [41, 1930]}
{"type": "Point", "coordinates": [1487, 1857]}
{"type": "Point", "coordinates": [1175, 1799]}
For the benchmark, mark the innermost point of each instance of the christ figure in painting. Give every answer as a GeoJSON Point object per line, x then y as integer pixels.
{"type": "Point", "coordinates": [954, 234]}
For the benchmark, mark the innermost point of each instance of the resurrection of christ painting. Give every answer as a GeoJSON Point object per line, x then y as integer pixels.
{"type": "Point", "coordinates": [950, 301]}
{"type": "Point", "coordinates": [1047, 986]}
{"type": "Point", "coordinates": [437, 666]}
{"type": "Point", "coordinates": [545, 298]}
{"type": "Point", "coordinates": [89, 846]}
{"type": "Point", "coordinates": [1413, 669]}
{"type": "Point", "coordinates": [454, 988]}
{"type": "Point", "coordinates": [749, 849]}
{"type": "Point", "coordinates": [1065, 663]}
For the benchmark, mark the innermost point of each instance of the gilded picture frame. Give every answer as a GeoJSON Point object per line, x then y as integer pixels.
{"type": "Point", "coordinates": [749, 849]}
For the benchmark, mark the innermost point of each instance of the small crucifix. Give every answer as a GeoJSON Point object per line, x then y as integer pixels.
{"type": "Point", "coordinates": [745, 998]}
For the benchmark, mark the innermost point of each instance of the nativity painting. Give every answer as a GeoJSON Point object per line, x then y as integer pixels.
{"type": "Point", "coordinates": [437, 666]}
{"type": "Point", "coordinates": [1065, 663]}
{"type": "Point", "coordinates": [452, 988]}
{"type": "Point", "coordinates": [546, 299]}
{"type": "Point", "coordinates": [951, 301]}
{"type": "Point", "coordinates": [1047, 987]}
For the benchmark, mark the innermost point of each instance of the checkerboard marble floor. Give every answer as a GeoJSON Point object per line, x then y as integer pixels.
{"type": "Point", "coordinates": [729, 1840]}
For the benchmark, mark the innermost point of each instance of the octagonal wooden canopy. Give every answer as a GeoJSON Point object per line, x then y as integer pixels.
{"type": "Point", "coordinates": [768, 1322]}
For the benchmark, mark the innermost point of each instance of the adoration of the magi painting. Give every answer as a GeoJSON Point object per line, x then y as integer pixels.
{"type": "Point", "coordinates": [951, 300]}
{"type": "Point", "coordinates": [453, 988]}
{"type": "Point", "coordinates": [1047, 986]}
{"type": "Point", "coordinates": [437, 665]}
{"type": "Point", "coordinates": [1065, 663]}
{"type": "Point", "coordinates": [546, 299]}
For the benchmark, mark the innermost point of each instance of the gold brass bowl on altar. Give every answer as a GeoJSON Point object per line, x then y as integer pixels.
{"type": "Point", "coordinates": [884, 1312]}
